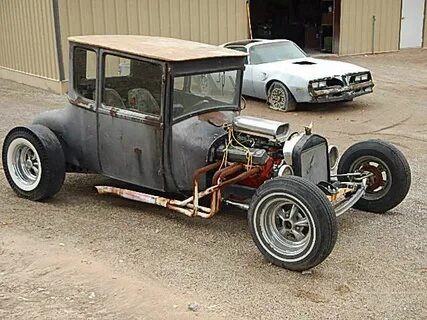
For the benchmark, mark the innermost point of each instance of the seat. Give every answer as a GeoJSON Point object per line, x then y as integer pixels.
{"type": "Point", "coordinates": [142, 100]}
{"type": "Point", "coordinates": [113, 99]}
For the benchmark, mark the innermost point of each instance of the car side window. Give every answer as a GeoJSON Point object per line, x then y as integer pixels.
{"type": "Point", "coordinates": [132, 85]}
{"type": "Point", "coordinates": [85, 72]}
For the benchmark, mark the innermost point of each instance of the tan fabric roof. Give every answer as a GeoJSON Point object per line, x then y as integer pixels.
{"type": "Point", "coordinates": [159, 48]}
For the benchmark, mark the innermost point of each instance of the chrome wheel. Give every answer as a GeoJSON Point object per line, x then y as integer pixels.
{"type": "Point", "coordinates": [380, 181]}
{"type": "Point", "coordinates": [286, 224]}
{"type": "Point", "coordinates": [24, 164]}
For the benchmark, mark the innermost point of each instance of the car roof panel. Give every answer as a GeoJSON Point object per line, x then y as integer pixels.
{"type": "Point", "coordinates": [159, 48]}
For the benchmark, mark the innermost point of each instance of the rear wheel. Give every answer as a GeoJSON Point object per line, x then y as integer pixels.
{"type": "Point", "coordinates": [280, 98]}
{"type": "Point", "coordinates": [292, 223]}
{"type": "Point", "coordinates": [33, 162]}
{"type": "Point", "coordinates": [390, 174]}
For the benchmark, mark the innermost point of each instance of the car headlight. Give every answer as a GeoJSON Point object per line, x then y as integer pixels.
{"type": "Point", "coordinates": [318, 84]}
{"type": "Point", "coordinates": [333, 156]}
{"type": "Point", "coordinates": [285, 170]}
{"type": "Point", "coordinates": [362, 77]}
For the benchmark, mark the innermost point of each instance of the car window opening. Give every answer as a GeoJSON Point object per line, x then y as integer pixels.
{"type": "Point", "coordinates": [132, 85]}
{"type": "Point", "coordinates": [202, 92]}
{"type": "Point", "coordinates": [275, 51]}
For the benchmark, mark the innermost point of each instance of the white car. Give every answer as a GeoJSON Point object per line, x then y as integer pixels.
{"type": "Point", "coordinates": [280, 72]}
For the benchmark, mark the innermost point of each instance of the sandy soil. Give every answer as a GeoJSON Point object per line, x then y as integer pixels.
{"type": "Point", "coordinates": [84, 256]}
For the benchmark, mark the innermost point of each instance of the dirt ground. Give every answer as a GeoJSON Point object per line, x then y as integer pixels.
{"type": "Point", "coordinates": [85, 256]}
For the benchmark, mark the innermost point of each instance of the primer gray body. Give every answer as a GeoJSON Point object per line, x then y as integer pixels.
{"type": "Point", "coordinates": [156, 152]}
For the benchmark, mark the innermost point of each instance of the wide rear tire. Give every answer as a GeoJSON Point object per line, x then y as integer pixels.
{"type": "Point", "coordinates": [292, 223]}
{"type": "Point", "coordinates": [33, 162]}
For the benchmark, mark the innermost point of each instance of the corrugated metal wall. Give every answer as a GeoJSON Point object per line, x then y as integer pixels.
{"type": "Point", "coordinates": [207, 21]}
{"type": "Point", "coordinates": [356, 26]}
{"type": "Point", "coordinates": [425, 26]}
{"type": "Point", "coordinates": [27, 38]}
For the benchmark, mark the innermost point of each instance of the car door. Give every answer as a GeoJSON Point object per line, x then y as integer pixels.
{"type": "Point", "coordinates": [130, 130]}
{"type": "Point", "coordinates": [259, 76]}
{"type": "Point", "coordinates": [247, 88]}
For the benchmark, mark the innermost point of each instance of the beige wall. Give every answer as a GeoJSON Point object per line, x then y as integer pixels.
{"type": "Point", "coordinates": [425, 27]}
{"type": "Point", "coordinates": [27, 39]}
{"type": "Point", "coordinates": [207, 21]}
{"type": "Point", "coordinates": [356, 26]}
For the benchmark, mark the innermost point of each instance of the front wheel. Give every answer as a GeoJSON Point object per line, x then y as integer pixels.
{"type": "Point", "coordinates": [292, 223]}
{"type": "Point", "coordinates": [390, 178]}
{"type": "Point", "coordinates": [280, 98]}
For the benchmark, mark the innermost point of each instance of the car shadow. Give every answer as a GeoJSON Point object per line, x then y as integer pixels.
{"type": "Point", "coordinates": [82, 187]}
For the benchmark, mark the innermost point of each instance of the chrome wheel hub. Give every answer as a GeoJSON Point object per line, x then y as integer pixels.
{"type": "Point", "coordinates": [287, 225]}
{"type": "Point", "coordinates": [24, 164]}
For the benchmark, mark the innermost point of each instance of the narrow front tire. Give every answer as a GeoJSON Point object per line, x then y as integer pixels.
{"type": "Point", "coordinates": [390, 174]}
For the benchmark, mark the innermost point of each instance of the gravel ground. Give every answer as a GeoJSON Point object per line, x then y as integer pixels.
{"type": "Point", "coordinates": [85, 256]}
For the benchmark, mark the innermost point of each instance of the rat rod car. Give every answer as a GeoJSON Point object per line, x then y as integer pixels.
{"type": "Point", "coordinates": [142, 111]}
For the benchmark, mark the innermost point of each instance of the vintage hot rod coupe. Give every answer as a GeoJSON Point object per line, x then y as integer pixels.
{"type": "Point", "coordinates": [164, 114]}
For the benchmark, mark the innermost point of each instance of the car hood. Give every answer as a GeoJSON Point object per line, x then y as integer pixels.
{"type": "Point", "coordinates": [311, 68]}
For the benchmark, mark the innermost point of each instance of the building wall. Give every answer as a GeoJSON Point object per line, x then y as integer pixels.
{"type": "Point", "coordinates": [356, 26]}
{"type": "Point", "coordinates": [27, 38]}
{"type": "Point", "coordinates": [425, 26]}
{"type": "Point", "coordinates": [206, 21]}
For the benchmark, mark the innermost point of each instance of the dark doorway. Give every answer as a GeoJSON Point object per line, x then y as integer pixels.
{"type": "Point", "coordinates": [309, 23]}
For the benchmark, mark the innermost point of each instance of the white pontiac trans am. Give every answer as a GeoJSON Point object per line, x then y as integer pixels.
{"type": "Point", "coordinates": [280, 72]}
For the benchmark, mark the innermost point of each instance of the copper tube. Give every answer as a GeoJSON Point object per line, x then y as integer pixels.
{"type": "Point", "coordinates": [233, 168]}
{"type": "Point", "coordinates": [196, 176]}
{"type": "Point", "coordinates": [218, 176]}
{"type": "Point", "coordinates": [205, 169]}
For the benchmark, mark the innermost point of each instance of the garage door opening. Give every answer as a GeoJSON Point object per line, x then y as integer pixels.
{"type": "Point", "coordinates": [309, 23]}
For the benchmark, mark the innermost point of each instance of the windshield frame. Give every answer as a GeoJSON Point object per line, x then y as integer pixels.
{"type": "Point", "coordinates": [304, 55]}
{"type": "Point", "coordinates": [221, 107]}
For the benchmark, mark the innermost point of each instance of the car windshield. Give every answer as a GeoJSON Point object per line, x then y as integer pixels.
{"type": "Point", "coordinates": [275, 51]}
{"type": "Point", "coordinates": [201, 92]}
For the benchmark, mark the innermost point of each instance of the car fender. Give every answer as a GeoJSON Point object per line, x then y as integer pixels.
{"type": "Point", "coordinates": [76, 129]}
{"type": "Point", "coordinates": [296, 85]}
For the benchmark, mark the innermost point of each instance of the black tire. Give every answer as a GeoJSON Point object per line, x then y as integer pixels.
{"type": "Point", "coordinates": [320, 230]}
{"type": "Point", "coordinates": [280, 98]}
{"type": "Point", "coordinates": [48, 159]}
{"type": "Point", "coordinates": [382, 193]}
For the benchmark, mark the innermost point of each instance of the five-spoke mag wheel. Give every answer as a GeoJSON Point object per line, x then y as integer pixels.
{"type": "Point", "coordinates": [33, 162]}
{"type": "Point", "coordinates": [292, 223]}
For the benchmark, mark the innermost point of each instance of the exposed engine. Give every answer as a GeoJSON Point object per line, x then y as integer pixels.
{"type": "Point", "coordinates": [270, 145]}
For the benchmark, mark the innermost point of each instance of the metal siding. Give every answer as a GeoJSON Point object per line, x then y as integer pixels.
{"type": "Point", "coordinates": [425, 26]}
{"type": "Point", "coordinates": [27, 37]}
{"type": "Point", "coordinates": [356, 26]}
{"type": "Point", "coordinates": [206, 21]}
